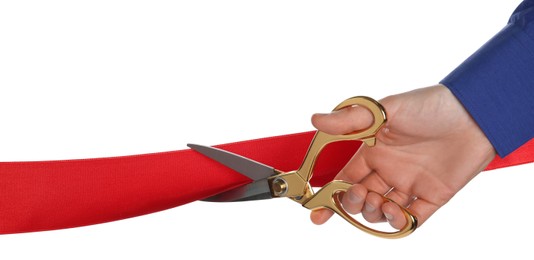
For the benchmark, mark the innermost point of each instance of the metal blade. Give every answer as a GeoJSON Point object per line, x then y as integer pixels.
{"type": "Point", "coordinates": [258, 190]}
{"type": "Point", "coordinates": [250, 168]}
{"type": "Point", "coordinates": [258, 172]}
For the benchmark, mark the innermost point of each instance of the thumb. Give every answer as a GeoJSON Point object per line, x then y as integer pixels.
{"type": "Point", "coordinates": [343, 121]}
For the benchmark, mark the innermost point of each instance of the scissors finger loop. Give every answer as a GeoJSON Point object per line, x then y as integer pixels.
{"type": "Point", "coordinates": [328, 197]}
{"type": "Point", "coordinates": [366, 135]}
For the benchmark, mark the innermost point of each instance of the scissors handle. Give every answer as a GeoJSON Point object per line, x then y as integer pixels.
{"type": "Point", "coordinates": [366, 135]}
{"type": "Point", "coordinates": [328, 197]}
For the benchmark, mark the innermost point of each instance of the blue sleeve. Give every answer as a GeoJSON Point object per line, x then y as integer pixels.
{"type": "Point", "coordinates": [496, 83]}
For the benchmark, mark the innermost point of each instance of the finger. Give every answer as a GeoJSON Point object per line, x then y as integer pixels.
{"type": "Point", "coordinates": [377, 187]}
{"type": "Point", "coordinates": [354, 199]}
{"type": "Point", "coordinates": [392, 211]}
{"type": "Point", "coordinates": [343, 121]}
{"type": "Point", "coordinates": [320, 216]}
{"type": "Point", "coordinates": [394, 215]}
{"type": "Point", "coordinates": [351, 172]}
{"type": "Point", "coordinates": [372, 210]}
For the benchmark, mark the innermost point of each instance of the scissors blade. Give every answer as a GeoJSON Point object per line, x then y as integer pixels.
{"type": "Point", "coordinates": [258, 190]}
{"type": "Point", "coordinates": [258, 172]}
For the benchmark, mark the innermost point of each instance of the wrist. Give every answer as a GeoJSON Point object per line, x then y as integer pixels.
{"type": "Point", "coordinates": [472, 132]}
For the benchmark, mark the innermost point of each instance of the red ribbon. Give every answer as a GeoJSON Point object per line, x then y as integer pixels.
{"type": "Point", "coordinates": [48, 195]}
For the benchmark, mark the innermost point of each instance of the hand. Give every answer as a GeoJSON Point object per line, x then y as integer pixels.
{"type": "Point", "coordinates": [429, 149]}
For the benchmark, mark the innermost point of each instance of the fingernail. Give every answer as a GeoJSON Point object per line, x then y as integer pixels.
{"type": "Point", "coordinates": [369, 208]}
{"type": "Point", "coordinates": [353, 198]}
{"type": "Point", "coordinates": [388, 216]}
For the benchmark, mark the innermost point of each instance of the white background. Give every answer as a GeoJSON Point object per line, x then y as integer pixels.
{"type": "Point", "coordinates": [85, 79]}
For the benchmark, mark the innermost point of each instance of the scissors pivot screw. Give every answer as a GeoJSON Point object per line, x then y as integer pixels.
{"type": "Point", "coordinates": [279, 187]}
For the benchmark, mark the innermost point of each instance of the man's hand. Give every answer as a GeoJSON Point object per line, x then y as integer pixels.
{"type": "Point", "coordinates": [429, 149]}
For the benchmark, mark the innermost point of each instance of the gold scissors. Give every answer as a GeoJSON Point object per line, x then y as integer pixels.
{"type": "Point", "coordinates": [271, 183]}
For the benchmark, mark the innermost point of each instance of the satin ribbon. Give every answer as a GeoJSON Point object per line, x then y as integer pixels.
{"type": "Point", "coordinates": [49, 195]}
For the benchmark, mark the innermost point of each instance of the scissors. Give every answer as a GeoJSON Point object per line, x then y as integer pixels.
{"type": "Point", "coordinates": [295, 185]}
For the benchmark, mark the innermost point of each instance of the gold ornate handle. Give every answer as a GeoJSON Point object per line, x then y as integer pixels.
{"type": "Point", "coordinates": [328, 197]}
{"type": "Point", "coordinates": [366, 135]}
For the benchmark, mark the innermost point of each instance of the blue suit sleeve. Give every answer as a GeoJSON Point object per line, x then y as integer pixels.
{"type": "Point", "coordinates": [496, 83]}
